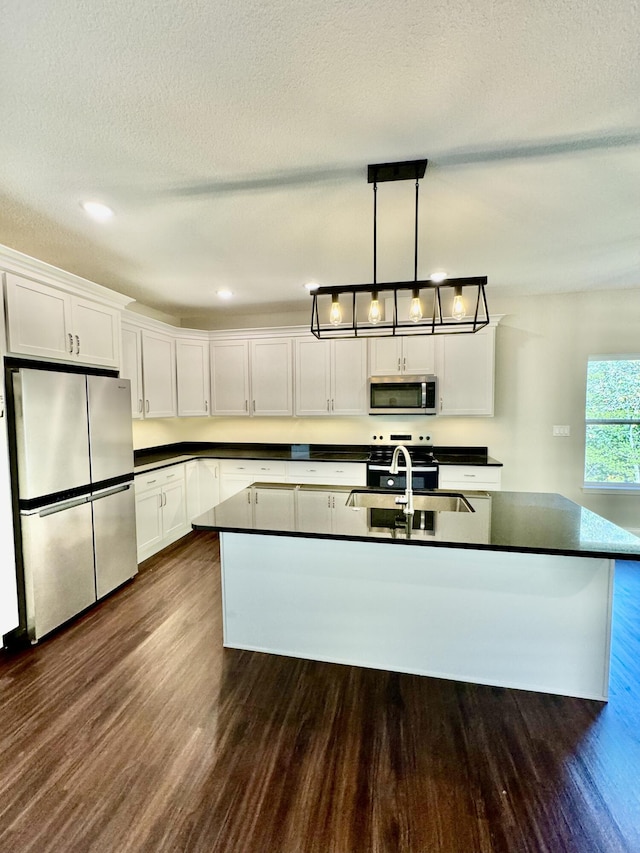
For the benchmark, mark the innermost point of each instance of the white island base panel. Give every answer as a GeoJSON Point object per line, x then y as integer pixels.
{"type": "Point", "coordinates": [530, 621]}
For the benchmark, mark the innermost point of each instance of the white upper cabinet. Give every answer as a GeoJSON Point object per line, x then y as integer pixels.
{"type": "Point", "coordinates": [349, 377]}
{"type": "Point", "coordinates": [192, 370]}
{"type": "Point", "coordinates": [313, 377]}
{"type": "Point", "coordinates": [408, 355]}
{"type": "Point", "coordinates": [49, 323]}
{"type": "Point", "coordinates": [331, 377]}
{"type": "Point", "coordinates": [131, 367]}
{"type": "Point", "coordinates": [252, 377]}
{"type": "Point", "coordinates": [159, 375]}
{"type": "Point", "coordinates": [466, 373]}
{"type": "Point", "coordinates": [271, 376]}
{"type": "Point", "coordinates": [230, 377]}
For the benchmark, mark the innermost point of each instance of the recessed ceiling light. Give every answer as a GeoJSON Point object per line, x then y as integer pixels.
{"type": "Point", "coordinates": [311, 285]}
{"type": "Point", "coordinates": [438, 276]}
{"type": "Point", "coordinates": [97, 210]}
{"type": "Point", "coordinates": [224, 293]}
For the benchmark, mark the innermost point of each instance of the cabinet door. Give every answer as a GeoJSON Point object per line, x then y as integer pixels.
{"type": "Point", "coordinates": [38, 319]}
{"type": "Point", "coordinates": [131, 367]}
{"type": "Point", "coordinates": [314, 511]}
{"type": "Point", "coordinates": [231, 484]}
{"type": "Point", "coordinates": [273, 509]}
{"type": "Point", "coordinates": [313, 377]}
{"type": "Point", "coordinates": [174, 509]}
{"type": "Point", "coordinates": [419, 354]}
{"type": "Point", "coordinates": [159, 375]}
{"type": "Point", "coordinates": [148, 522]}
{"type": "Point", "coordinates": [192, 368]}
{"type": "Point", "coordinates": [385, 356]}
{"type": "Point", "coordinates": [466, 373]}
{"type": "Point", "coordinates": [209, 483]}
{"type": "Point", "coordinates": [230, 377]}
{"type": "Point", "coordinates": [96, 333]}
{"type": "Point", "coordinates": [271, 377]}
{"type": "Point", "coordinates": [349, 377]}
{"type": "Point", "coordinates": [192, 485]}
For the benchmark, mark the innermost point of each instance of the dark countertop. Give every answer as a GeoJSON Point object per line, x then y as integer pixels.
{"type": "Point", "coordinates": [157, 457]}
{"type": "Point", "coordinates": [527, 522]}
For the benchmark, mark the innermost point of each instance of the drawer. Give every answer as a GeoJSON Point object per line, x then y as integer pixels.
{"type": "Point", "coordinates": [349, 473]}
{"type": "Point", "coordinates": [158, 478]}
{"type": "Point", "coordinates": [471, 476]}
{"type": "Point", "coordinates": [261, 469]}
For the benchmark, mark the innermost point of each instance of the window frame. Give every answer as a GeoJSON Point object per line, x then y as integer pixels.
{"type": "Point", "coordinates": [600, 485]}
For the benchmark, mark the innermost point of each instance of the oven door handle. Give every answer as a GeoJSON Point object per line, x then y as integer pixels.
{"type": "Point", "coordinates": [414, 468]}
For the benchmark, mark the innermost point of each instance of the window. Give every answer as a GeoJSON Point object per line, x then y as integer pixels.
{"type": "Point", "coordinates": [612, 446]}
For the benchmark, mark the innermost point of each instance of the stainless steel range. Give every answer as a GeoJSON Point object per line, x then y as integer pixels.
{"type": "Point", "coordinates": [424, 465]}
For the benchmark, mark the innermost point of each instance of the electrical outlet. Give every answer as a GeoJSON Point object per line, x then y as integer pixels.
{"type": "Point", "coordinates": [563, 431]}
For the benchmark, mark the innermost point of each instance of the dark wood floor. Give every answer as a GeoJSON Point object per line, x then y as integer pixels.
{"type": "Point", "coordinates": [133, 730]}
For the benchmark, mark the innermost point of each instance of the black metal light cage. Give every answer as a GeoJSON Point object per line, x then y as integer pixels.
{"type": "Point", "coordinates": [451, 306]}
{"type": "Point", "coordinates": [436, 302]}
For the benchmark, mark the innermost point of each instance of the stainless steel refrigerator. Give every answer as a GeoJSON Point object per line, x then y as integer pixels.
{"type": "Point", "coordinates": [74, 461]}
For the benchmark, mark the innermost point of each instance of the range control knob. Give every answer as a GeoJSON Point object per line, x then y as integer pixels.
{"type": "Point", "coordinates": [390, 482]}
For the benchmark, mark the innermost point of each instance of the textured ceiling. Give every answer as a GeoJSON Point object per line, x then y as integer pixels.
{"type": "Point", "coordinates": [232, 139]}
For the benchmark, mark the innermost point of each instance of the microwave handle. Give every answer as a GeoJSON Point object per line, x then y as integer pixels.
{"type": "Point", "coordinates": [424, 395]}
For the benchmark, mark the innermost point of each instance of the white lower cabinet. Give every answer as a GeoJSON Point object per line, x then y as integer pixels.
{"type": "Point", "coordinates": [203, 486]}
{"type": "Point", "coordinates": [237, 474]}
{"type": "Point", "coordinates": [327, 473]}
{"type": "Point", "coordinates": [328, 512]}
{"type": "Point", "coordinates": [161, 509]}
{"type": "Point", "coordinates": [481, 477]}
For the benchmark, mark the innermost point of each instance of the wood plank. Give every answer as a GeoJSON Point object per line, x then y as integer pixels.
{"type": "Point", "coordinates": [132, 729]}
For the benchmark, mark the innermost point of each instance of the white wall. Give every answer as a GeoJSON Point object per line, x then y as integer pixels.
{"type": "Point", "coordinates": [542, 346]}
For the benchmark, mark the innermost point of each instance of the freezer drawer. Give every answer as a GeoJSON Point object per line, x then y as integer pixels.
{"type": "Point", "coordinates": [114, 536]}
{"type": "Point", "coordinates": [57, 546]}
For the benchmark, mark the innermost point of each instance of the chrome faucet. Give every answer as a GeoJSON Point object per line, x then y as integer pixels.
{"type": "Point", "coordinates": [407, 498]}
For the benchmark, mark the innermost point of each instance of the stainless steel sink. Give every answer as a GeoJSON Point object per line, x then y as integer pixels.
{"type": "Point", "coordinates": [427, 501]}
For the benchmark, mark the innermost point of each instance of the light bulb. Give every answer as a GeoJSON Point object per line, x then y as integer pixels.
{"type": "Point", "coordinates": [458, 311]}
{"type": "Point", "coordinates": [335, 315]}
{"type": "Point", "coordinates": [375, 314]}
{"type": "Point", "coordinates": [415, 309]}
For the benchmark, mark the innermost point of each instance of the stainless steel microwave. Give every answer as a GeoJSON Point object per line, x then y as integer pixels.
{"type": "Point", "coordinates": [403, 395]}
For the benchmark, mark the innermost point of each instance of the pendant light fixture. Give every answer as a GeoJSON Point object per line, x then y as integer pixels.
{"type": "Point", "coordinates": [401, 307]}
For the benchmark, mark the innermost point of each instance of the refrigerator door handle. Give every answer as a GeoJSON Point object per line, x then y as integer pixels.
{"type": "Point", "coordinates": [112, 491]}
{"type": "Point", "coordinates": [60, 507]}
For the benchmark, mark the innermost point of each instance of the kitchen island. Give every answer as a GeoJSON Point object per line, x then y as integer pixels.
{"type": "Point", "coordinates": [517, 593]}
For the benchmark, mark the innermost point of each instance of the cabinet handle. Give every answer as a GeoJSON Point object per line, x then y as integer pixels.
{"type": "Point", "coordinates": [147, 406]}
{"type": "Point", "coordinates": [256, 497]}
{"type": "Point", "coordinates": [468, 475]}
{"type": "Point", "coordinates": [160, 499]}
{"type": "Point", "coordinates": [169, 476]}
{"type": "Point", "coordinates": [404, 363]}
{"type": "Point", "coordinates": [140, 404]}
{"type": "Point", "coordinates": [254, 405]}
{"type": "Point", "coordinates": [333, 405]}
{"type": "Point", "coordinates": [246, 405]}
{"type": "Point", "coordinates": [150, 482]}
{"type": "Point", "coordinates": [70, 342]}
{"type": "Point", "coordinates": [77, 344]}
{"type": "Point", "coordinates": [248, 497]}
{"type": "Point", "coordinates": [339, 470]}
{"type": "Point", "coordinates": [311, 470]}
{"type": "Point", "coordinates": [329, 502]}
{"type": "Point", "coordinates": [328, 408]}
{"type": "Point", "coordinates": [333, 502]}
{"type": "Point", "coordinates": [398, 365]}
{"type": "Point", "coordinates": [206, 405]}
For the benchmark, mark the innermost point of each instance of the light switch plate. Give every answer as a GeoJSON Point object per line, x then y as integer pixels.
{"type": "Point", "coordinates": [562, 431]}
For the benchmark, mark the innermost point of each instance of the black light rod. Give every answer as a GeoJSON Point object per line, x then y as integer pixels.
{"type": "Point", "coordinates": [473, 281]}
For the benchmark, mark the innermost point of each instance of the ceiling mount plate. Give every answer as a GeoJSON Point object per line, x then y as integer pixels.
{"type": "Point", "coordinates": [407, 170]}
